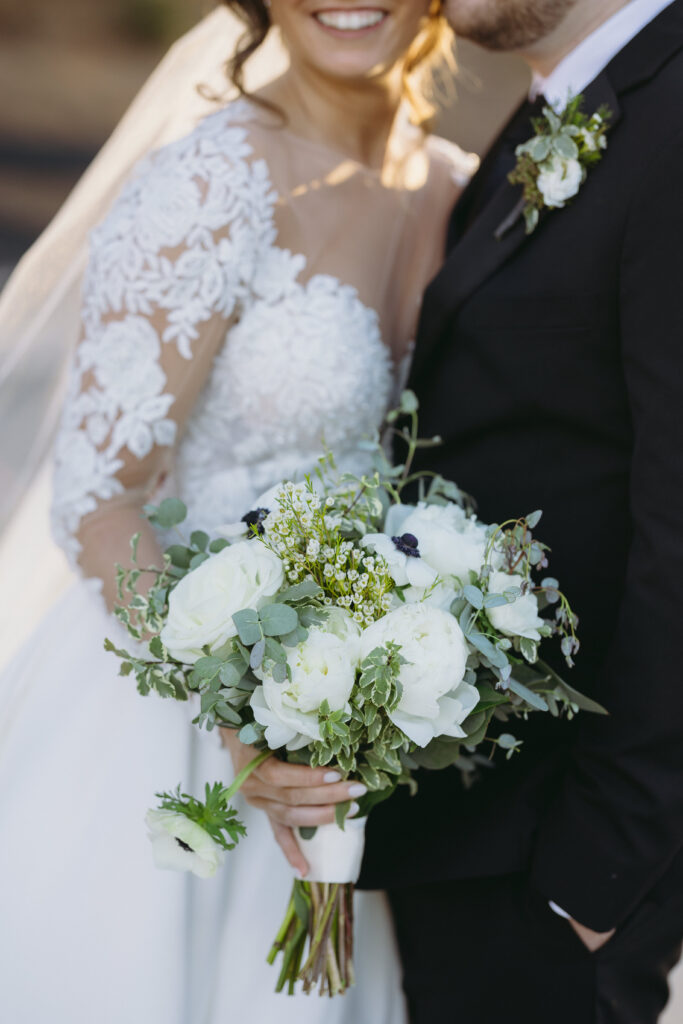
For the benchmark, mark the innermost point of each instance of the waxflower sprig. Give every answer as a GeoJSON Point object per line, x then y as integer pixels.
{"type": "Point", "coordinates": [553, 165]}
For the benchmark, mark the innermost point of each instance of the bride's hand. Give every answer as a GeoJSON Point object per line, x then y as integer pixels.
{"type": "Point", "coordinates": [290, 794]}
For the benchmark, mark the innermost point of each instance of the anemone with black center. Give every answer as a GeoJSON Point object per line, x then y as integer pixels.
{"type": "Point", "coordinates": [255, 520]}
{"type": "Point", "coordinates": [407, 544]}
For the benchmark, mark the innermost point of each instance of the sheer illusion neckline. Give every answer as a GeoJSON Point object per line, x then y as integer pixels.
{"type": "Point", "coordinates": [412, 142]}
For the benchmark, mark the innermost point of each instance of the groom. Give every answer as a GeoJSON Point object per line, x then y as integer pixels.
{"type": "Point", "coordinates": [552, 366]}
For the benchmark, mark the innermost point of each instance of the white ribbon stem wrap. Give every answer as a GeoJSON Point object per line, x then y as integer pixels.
{"type": "Point", "coordinates": [334, 855]}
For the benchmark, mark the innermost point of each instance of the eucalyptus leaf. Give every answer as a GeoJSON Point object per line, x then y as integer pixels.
{"type": "Point", "coordinates": [200, 539]}
{"type": "Point", "coordinates": [230, 674]}
{"type": "Point", "coordinates": [171, 512]}
{"type": "Point", "coordinates": [207, 668]}
{"type": "Point", "coordinates": [538, 148]}
{"type": "Point", "coordinates": [198, 559]}
{"type": "Point", "coordinates": [565, 147]}
{"type": "Point", "coordinates": [278, 619]}
{"type": "Point", "coordinates": [257, 653]}
{"type": "Point", "coordinates": [276, 651]}
{"type": "Point", "coordinates": [279, 673]}
{"type": "Point", "coordinates": [534, 519]}
{"type": "Point", "coordinates": [218, 545]}
{"type": "Point", "coordinates": [180, 555]}
{"type": "Point", "coordinates": [248, 626]}
{"type": "Point", "coordinates": [307, 831]}
{"type": "Point", "coordinates": [534, 699]}
{"type": "Point", "coordinates": [228, 714]}
{"type": "Point", "coordinates": [474, 596]}
{"type": "Point", "coordinates": [249, 734]}
{"type": "Point", "coordinates": [489, 650]}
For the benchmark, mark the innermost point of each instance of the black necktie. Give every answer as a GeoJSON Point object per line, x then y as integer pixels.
{"type": "Point", "coordinates": [518, 130]}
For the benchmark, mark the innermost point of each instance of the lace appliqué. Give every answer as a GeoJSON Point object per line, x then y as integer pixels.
{"type": "Point", "coordinates": [181, 243]}
{"type": "Point", "coordinates": [193, 234]}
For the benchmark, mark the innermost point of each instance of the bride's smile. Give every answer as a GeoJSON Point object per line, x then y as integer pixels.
{"type": "Point", "coordinates": [349, 23]}
{"type": "Point", "coordinates": [349, 40]}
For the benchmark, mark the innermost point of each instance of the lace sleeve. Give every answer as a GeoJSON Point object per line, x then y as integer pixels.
{"type": "Point", "coordinates": [168, 270]}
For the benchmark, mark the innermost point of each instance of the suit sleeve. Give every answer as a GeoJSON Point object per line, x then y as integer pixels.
{"type": "Point", "coordinates": [618, 821]}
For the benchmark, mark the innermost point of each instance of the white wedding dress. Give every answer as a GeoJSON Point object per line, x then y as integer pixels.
{"type": "Point", "coordinates": [249, 294]}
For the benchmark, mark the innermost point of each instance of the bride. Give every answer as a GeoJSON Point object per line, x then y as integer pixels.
{"type": "Point", "coordinates": [253, 289]}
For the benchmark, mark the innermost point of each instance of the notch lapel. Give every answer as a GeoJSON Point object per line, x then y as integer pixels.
{"type": "Point", "coordinates": [479, 254]}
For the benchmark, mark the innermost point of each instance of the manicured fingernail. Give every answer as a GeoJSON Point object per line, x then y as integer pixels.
{"type": "Point", "coordinates": [358, 789]}
{"type": "Point", "coordinates": [353, 809]}
{"type": "Point", "coordinates": [333, 777]}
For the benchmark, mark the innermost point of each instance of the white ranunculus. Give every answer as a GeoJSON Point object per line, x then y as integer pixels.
{"type": "Point", "coordinates": [200, 609]}
{"type": "Point", "coordinates": [449, 541]}
{"type": "Point", "coordinates": [323, 667]}
{"type": "Point", "coordinates": [520, 618]}
{"type": "Point", "coordinates": [559, 180]}
{"type": "Point", "coordinates": [179, 844]}
{"type": "Point", "coordinates": [435, 700]}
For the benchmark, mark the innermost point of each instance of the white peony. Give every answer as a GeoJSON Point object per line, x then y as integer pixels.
{"type": "Point", "coordinates": [435, 700]}
{"type": "Point", "coordinates": [450, 542]}
{"type": "Point", "coordinates": [323, 668]}
{"type": "Point", "coordinates": [520, 618]}
{"type": "Point", "coordinates": [559, 180]}
{"type": "Point", "coordinates": [179, 844]}
{"type": "Point", "coordinates": [200, 609]}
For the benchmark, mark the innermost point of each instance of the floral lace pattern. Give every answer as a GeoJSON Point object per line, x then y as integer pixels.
{"type": "Point", "coordinates": [191, 236]}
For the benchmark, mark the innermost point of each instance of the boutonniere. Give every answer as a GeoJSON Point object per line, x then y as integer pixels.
{"type": "Point", "coordinates": [553, 165]}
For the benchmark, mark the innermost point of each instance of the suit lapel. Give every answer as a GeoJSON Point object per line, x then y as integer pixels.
{"type": "Point", "coordinates": [479, 254]}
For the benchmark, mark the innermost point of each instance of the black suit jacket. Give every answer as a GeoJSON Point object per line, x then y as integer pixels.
{"type": "Point", "coordinates": [552, 366]}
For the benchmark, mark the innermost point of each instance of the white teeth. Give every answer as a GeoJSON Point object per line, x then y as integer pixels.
{"type": "Point", "coordinates": [350, 21]}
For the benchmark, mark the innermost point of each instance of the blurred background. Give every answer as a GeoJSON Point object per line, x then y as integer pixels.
{"type": "Point", "coordinates": [68, 70]}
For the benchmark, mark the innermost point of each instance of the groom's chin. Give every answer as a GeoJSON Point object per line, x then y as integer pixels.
{"type": "Point", "coordinates": [506, 25]}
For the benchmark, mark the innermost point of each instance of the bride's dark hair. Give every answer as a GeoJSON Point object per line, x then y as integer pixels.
{"type": "Point", "coordinates": [432, 47]}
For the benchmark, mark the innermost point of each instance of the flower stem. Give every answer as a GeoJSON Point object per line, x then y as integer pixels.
{"type": "Point", "coordinates": [240, 779]}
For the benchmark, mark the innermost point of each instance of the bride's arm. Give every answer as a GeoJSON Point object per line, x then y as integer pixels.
{"type": "Point", "coordinates": [161, 287]}
{"type": "Point", "coordinates": [164, 280]}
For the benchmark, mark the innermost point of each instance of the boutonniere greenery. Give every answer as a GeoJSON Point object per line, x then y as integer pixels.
{"type": "Point", "coordinates": [553, 165]}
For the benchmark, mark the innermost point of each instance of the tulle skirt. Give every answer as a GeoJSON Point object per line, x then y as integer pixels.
{"type": "Point", "coordinates": [89, 929]}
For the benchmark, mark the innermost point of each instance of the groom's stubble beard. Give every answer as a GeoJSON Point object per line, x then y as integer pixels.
{"type": "Point", "coordinates": [507, 24]}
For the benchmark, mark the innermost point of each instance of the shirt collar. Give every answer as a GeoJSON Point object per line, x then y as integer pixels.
{"type": "Point", "coordinates": [583, 64]}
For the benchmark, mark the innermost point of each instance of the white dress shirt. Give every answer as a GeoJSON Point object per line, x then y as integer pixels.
{"type": "Point", "coordinates": [593, 54]}
{"type": "Point", "coordinates": [580, 67]}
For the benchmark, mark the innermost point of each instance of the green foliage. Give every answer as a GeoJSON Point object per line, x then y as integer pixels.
{"type": "Point", "coordinates": [214, 814]}
{"type": "Point", "coordinates": [569, 136]}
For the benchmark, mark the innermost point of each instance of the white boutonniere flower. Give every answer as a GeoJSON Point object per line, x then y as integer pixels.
{"type": "Point", "coordinates": [553, 165]}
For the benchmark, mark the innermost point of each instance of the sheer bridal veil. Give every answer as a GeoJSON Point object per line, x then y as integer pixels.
{"type": "Point", "coordinates": [39, 306]}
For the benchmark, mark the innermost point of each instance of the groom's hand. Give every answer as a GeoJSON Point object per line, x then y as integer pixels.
{"type": "Point", "coordinates": [593, 941]}
{"type": "Point", "coordinates": [291, 794]}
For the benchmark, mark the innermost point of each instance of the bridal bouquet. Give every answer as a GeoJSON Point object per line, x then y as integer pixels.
{"type": "Point", "coordinates": [337, 625]}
